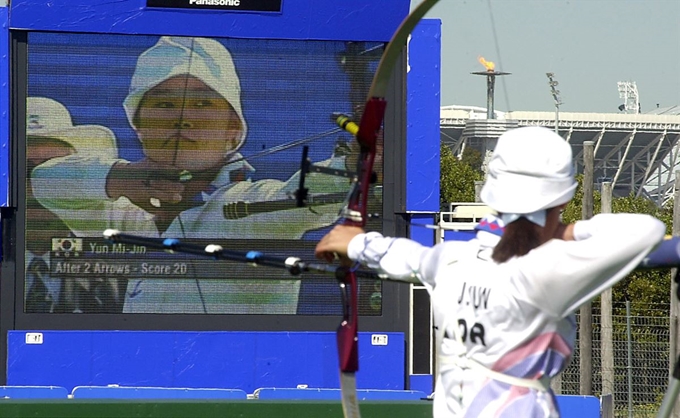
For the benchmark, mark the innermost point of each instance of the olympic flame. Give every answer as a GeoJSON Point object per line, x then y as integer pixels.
{"type": "Point", "coordinates": [490, 66]}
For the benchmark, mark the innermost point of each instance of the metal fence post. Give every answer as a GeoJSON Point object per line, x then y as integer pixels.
{"type": "Point", "coordinates": [674, 346]}
{"type": "Point", "coordinates": [606, 325]}
{"type": "Point", "coordinates": [629, 366]}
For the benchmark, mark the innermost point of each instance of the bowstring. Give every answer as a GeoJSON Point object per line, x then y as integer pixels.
{"type": "Point", "coordinates": [287, 145]}
{"type": "Point", "coordinates": [179, 215]}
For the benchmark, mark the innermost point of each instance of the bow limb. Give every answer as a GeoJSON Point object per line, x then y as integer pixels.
{"type": "Point", "coordinates": [355, 211]}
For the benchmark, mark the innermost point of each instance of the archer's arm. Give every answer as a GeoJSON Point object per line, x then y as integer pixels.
{"type": "Point", "coordinates": [399, 258]}
{"type": "Point", "coordinates": [561, 275]}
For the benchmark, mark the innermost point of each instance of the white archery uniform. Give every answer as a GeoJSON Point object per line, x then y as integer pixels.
{"type": "Point", "coordinates": [80, 198]}
{"type": "Point", "coordinates": [86, 209]}
{"type": "Point", "coordinates": [504, 329]}
{"type": "Point", "coordinates": [514, 318]}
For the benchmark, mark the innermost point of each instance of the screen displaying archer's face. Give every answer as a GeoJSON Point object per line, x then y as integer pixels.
{"type": "Point", "coordinates": [184, 123]}
{"type": "Point", "coordinates": [209, 152]}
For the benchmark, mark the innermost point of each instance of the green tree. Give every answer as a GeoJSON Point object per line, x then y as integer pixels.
{"type": "Point", "coordinates": [473, 158]}
{"type": "Point", "coordinates": [458, 176]}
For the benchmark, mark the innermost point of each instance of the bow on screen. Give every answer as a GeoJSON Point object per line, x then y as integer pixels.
{"type": "Point", "coordinates": [355, 213]}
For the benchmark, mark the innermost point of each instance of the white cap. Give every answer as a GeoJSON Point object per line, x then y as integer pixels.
{"type": "Point", "coordinates": [531, 169]}
{"type": "Point", "coordinates": [205, 59]}
{"type": "Point", "coordinates": [47, 118]}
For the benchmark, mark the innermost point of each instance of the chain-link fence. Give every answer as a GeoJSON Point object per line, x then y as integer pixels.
{"type": "Point", "coordinates": [640, 362]}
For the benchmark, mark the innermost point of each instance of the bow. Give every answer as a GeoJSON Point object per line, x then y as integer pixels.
{"type": "Point", "coordinates": [355, 212]}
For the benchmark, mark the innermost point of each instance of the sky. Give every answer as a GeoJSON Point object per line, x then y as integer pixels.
{"type": "Point", "coordinates": [589, 45]}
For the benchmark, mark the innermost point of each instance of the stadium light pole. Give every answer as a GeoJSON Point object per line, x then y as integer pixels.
{"type": "Point", "coordinates": [556, 97]}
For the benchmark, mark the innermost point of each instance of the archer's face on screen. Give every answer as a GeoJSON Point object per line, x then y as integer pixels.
{"type": "Point", "coordinates": [184, 123]}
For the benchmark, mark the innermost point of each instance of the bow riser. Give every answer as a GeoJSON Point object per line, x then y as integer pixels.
{"type": "Point", "coordinates": [369, 129]}
{"type": "Point", "coordinates": [355, 212]}
{"type": "Point", "coordinates": [347, 335]}
{"type": "Point", "coordinates": [371, 123]}
{"type": "Point", "coordinates": [355, 215]}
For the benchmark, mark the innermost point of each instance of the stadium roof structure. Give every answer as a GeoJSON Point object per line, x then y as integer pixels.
{"type": "Point", "coordinates": [638, 153]}
{"type": "Point", "coordinates": [670, 110]}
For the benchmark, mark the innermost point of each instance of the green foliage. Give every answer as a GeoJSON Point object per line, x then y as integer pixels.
{"type": "Point", "coordinates": [457, 179]}
{"type": "Point", "coordinates": [473, 158]}
{"type": "Point", "coordinates": [573, 211]}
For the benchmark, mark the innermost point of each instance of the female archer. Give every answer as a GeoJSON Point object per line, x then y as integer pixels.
{"type": "Point", "coordinates": [504, 305]}
{"type": "Point", "coordinates": [184, 104]}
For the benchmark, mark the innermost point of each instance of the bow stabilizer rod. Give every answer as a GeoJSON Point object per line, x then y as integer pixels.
{"type": "Point", "coordinates": [294, 265]}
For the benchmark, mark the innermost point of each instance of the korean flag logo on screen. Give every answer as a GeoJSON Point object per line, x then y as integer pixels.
{"type": "Point", "coordinates": [67, 247]}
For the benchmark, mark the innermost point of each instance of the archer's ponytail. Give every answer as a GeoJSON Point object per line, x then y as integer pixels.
{"type": "Point", "coordinates": [519, 237]}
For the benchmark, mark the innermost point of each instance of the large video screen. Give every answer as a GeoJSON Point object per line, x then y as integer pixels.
{"type": "Point", "coordinates": [191, 138]}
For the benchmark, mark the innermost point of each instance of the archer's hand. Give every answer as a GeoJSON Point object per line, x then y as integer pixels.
{"type": "Point", "coordinates": [145, 183]}
{"type": "Point", "coordinates": [335, 243]}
